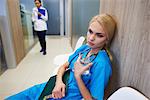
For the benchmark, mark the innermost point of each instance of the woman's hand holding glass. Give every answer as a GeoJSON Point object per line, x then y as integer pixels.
{"type": "Point", "coordinates": [80, 68]}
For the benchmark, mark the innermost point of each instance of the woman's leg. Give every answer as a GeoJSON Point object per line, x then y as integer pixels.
{"type": "Point", "coordinates": [43, 41]}
{"type": "Point", "coordinates": [40, 39]}
{"type": "Point", "coordinates": [31, 93]}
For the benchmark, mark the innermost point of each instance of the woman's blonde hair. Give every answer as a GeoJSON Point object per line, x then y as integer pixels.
{"type": "Point", "coordinates": [108, 24]}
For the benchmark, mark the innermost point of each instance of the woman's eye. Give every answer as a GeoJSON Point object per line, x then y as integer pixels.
{"type": "Point", "coordinates": [98, 35]}
{"type": "Point", "coordinates": [90, 31]}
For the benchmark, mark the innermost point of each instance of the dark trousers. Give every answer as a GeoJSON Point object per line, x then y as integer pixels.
{"type": "Point", "coordinates": [41, 35]}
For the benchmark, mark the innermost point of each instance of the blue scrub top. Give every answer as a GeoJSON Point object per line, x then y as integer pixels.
{"type": "Point", "coordinates": [95, 80]}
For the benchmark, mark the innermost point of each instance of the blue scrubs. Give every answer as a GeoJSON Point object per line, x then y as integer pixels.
{"type": "Point", "coordinates": [95, 80]}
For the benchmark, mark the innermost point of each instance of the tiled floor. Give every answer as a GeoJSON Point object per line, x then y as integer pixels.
{"type": "Point", "coordinates": [34, 68]}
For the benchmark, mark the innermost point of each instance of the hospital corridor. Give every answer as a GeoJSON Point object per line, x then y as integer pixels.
{"type": "Point", "coordinates": [103, 44]}
{"type": "Point", "coordinates": [34, 68]}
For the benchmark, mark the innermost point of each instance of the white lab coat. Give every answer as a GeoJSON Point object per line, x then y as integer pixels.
{"type": "Point", "coordinates": [39, 24]}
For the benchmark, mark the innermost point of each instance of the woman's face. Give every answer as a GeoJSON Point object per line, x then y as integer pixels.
{"type": "Point", "coordinates": [96, 36]}
{"type": "Point", "coordinates": [37, 3]}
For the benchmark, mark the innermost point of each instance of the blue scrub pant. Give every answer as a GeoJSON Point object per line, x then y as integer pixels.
{"type": "Point", "coordinates": [31, 93]}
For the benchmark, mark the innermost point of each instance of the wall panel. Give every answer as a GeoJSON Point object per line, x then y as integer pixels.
{"type": "Point", "coordinates": [16, 28]}
{"type": "Point", "coordinates": [130, 47]}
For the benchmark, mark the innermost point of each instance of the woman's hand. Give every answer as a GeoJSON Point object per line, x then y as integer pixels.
{"type": "Point", "coordinates": [39, 14]}
{"type": "Point", "coordinates": [79, 68]}
{"type": "Point", "coordinates": [59, 90]}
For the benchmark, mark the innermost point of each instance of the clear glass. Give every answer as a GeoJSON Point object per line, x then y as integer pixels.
{"type": "Point", "coordinates": [30, 37]}
{"type": "Point", "coordinates": [86, 60]}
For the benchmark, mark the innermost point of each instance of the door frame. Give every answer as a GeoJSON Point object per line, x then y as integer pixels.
{"type": "Point", "coordinates": [66, 25]}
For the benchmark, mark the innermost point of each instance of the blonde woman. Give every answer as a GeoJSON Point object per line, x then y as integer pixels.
{"type": "Point", "coordinates": [90, 66]}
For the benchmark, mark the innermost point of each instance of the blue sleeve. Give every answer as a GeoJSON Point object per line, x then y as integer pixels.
{"type": "Point", "coordinates": [99, 79]}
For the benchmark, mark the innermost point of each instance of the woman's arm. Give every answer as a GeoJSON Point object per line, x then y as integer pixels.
{"type": "Point", "coordinates": [34, 15]}
{"type": "Point", "coordinates": [61, 71]}
{"type": "Point", "coordinates": [79, 69]}
{"type": "Point", "coordinates": [83, 89]}
{"type": "Point", "coordinates": [59, 89]}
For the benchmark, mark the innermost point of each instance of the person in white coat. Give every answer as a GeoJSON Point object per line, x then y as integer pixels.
{"type": "Point", "coordinates": [39, 18]}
